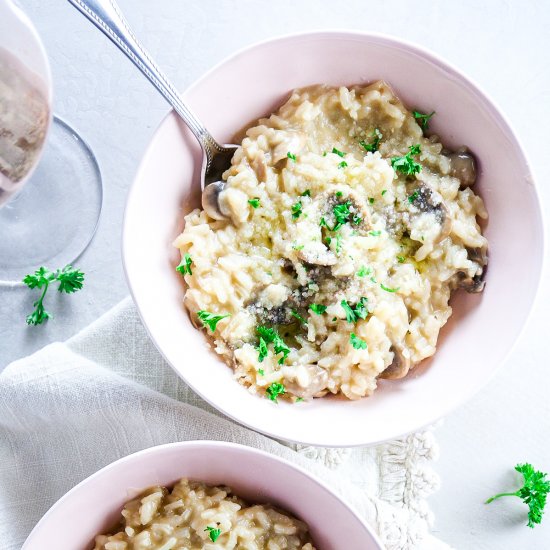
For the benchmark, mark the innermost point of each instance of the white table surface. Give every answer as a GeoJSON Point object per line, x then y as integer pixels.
{"type": "Point", "coordinates": [503, 45]}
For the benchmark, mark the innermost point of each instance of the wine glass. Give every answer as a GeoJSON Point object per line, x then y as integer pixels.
{"type": "Point", "coordinates": [50, 185]}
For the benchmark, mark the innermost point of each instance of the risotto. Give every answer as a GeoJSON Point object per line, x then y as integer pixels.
{"type": "Point", "coordinates": [328, 258]}
{"type": "Point", "coordinates": [194, 516]}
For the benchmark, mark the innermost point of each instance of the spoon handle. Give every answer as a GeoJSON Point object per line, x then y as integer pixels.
{"type": "Point", "coordinates": [107, 17]}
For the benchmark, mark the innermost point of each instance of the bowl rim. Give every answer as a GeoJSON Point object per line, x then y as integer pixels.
{"type": "Point", "coordinates": [481, 95]}
{"type": "Point", "coordinates": [183, 446]}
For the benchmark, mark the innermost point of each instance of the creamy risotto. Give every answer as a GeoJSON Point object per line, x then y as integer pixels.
{"type": "Point", "coordinates": [194, 516]}
{"type": "Point", "coordinates": [328, 258]}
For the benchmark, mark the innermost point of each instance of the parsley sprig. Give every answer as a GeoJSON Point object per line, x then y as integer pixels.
{"type": "Point", "coordinates": [70, 280]}
{"type": "Point", "coordinates": [406, 164]}
{"type": "Point", "coordinates": [533, 493]}
{"type": "Point", "coordinates": [255, 202]}
{"type": "Point", "coordinates": [210, 320]}
{"type": "Point", "coordinates": [271, 336]}
{"type": "Point", "coordinates": [374, 143]}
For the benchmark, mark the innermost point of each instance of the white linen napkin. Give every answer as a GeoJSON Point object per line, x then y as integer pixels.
{"type": "Point", "coordinates": [74, 407]}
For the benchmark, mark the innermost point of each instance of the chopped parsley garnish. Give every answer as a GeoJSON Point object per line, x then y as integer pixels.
{"type": "Point", "coordinates": [213, 533]}
{"type": "Point", "coordinates": [274, 390]}
{"type": "Point", "coordinates": [413, 197]}
{"type": "Point", "coordinates": [70, 280]}
{"type": "Point", "coordinates": [533, 493]}
{"type": "Point", "coordinates": [339, 194]}
{"type": "Point", "coordinates": [328, 240]}
{"type": "Point", "coordinates": [261, 372]}
{"type": "Point", "coordinates": [297, 246]}
{"type": "Point", "coordinates": [255, 202]}
{"type": "Point", "coordinates": [339, 153]}
{"type": "Point", "coordinates": [297, 210]}
{"type": "Point", "coordinates": [306, 193]}
{"type": "Point", "coordinates": [360, 309]}
{"type": "Point", "coordinates": [383, 287]}
{"type": "Point", "coordinates": [318, 308]}
{"type": "Point", "coordinates": [373, 280]}
{"type": "Point", "coordinates": [422, 119]}
{"type": "Point", "coordinates": [356, 342]}
{"type": "Point", "coordinates": [354, 313]}
{"type": "Point", "coordinates": [268, 336]}
{"type": "Point", "coordinates": [323, 222]}
{"type": "Point", "coordinates": [262, 350]}
{"type": "Point", "coordinates": [400, 259]}
{"type": "Point", "coordinates": [350, 314]}
{"type": "Point", "coordinates": [299, 399]}
{"type": "Point", "coordinates": [406, 164]}
{"type": "Point", "coordinates": [295, 314]}
{"type": "Point", "coordinates": [291, 156]}
{"type": "Point", "coordinates": [343, 164]}
{"type": "Point", "coordinates": [375, 233]}
{"type": "Point", "coordinates": [338, 244]}
{"type": "Point", "coordinates": [384, 191]}
{"type": "Point", "coordinates": [371, 200]}
{"type": "Point", "coordinates": [373, 145]}
{"type": "Point", "coordinates": [342, 214]}
{"type": "Point", "coordinates": [363, 271]}
{"type": "Point", "coordinates": [185, 265]}
{"type": "Point", "coordinates": [210, 320]}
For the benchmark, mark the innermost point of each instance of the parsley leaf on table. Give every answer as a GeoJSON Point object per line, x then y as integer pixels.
{"type": "Point", "coordinates": [70, 280]}
{"type": "Point", "coordinates": [533, 493]}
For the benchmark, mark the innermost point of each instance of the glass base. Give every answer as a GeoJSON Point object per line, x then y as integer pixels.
{"type": "Point", "coordinates": [52, 220]}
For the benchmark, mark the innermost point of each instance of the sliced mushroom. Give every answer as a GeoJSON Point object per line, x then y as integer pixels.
{"type": "Point", "coordinates": [426, 200]}
{"type": "Point", "coordinates": [478, 255]}
{"type": "Point", "coordinates": [473, 285]}
{"type": "Point", "coordinates": [400, 365]}
{"type": "Point", "coordinates": [476, 283]}
{"type": "Point", "coordinates": [463, 167]}
{"type": "Point", "coordinates": [211, 200]}
{"type": "Point", "coordinates": [318, 381]}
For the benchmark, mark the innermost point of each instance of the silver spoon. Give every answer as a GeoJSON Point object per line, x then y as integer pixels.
{"type": "Point", "coordinates": [107, 17]}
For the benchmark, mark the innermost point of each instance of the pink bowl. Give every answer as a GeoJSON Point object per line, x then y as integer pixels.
{"type": "Point", "coordinates": [94, 505]}
{"type": "Point", "coordinates": [483, 328]}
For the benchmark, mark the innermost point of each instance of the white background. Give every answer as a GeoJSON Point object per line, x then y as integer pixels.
{"type": "Point", "coordinates": [503, 45]}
